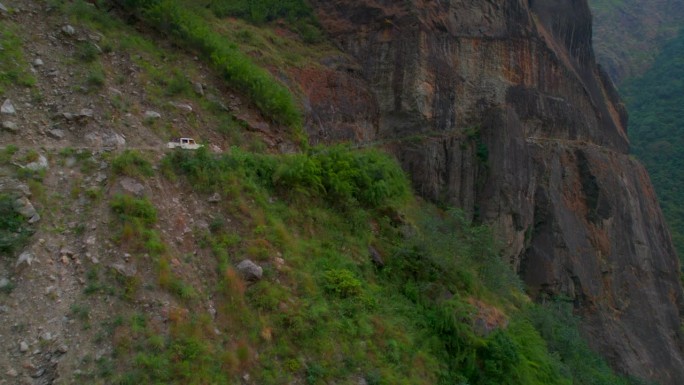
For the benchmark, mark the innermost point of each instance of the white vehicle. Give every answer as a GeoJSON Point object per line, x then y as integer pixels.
{"type": "Point", "coordinates": [184, 143]}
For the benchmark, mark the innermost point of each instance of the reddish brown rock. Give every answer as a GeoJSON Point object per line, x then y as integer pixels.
{"type": "Point", "coordinates": [499, 108]}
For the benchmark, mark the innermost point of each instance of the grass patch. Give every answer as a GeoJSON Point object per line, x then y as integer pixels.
{"type": "Point", "coordinates": [298, 14]}
{"type": "Point", "coordinates": [269, 95]}
{"type": "Point", "coordinates": [14, 231]}
{"type": "Point", "coordinates": [96, 78]}
{"type": "Point", "coordinates": [132, 163]}
{"type": "Point", "coordinates": [135, 219]}
{"type": "Point", "coordinates": [13, 65]}
{"type": "Point", "coordinates": [87, 51]}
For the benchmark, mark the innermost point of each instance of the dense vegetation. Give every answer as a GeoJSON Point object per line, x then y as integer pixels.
{"type": "Point", "coordinates": [12, 62]}
{"type": "Point", "coordinates": [655, 103]}
{"type": "Point", "coordinates": [436, 306]}
{"type": "Point", "coordinates": [297, 13]}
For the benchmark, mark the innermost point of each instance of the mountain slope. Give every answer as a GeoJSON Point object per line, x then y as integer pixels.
{"type": "Point", "coordinates": [500, 109]}
{"type": "Point", "coordinates": [260, 259]}
{"type": "Point", "coordinates": [629, 34]}
{"type": "Point", "coordinates": [656, 123]}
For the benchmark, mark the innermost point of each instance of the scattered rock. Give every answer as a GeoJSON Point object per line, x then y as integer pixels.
{"type": "Point", "coordinates": [79, 117]}
{"type": "Point", "coordinates": [125, 270]}
{"type": "Point", "coordinates": [40, 164]}
{"type": "Point", "coordinates": [12, 373]}
{"type": "Point", "coordinates": [86, 113]}
{"type": "Point", "coordinates": [10, 126]}
{"type": "Point", "coordinates": [115, 91]}
{"type": "Point", "coordinates": [34, 219]}
{"type": "Point", "coordinates": [14, 186]}
{"type": "Point", "coordinates": [183, 107]}
{"type": "Point", "coordinates": [250, 271]}
{"type": "Point", "coordinates": [62, 349]}
{"type": "Point", "coordinates": [114, 140]}
{"type": "Point", "coordinates": [23, 347]}
{"type": "Point", "coordinates": [4, 10]}
{"type": "Point", "coordinates": [25, 258]}
{"type": "Point", "coordinates": [38, 373]}
{"type": "Point", "coordinates": [216, 198]}
{"type": "Point", "coordinates": [376, 257]}
{"type": "Point", "coordinates": [202, 224]}
{"type": "Point", "coordinates": [4, 282]}
{"type": "Point", "coordinates": [93, 139]}
{"type": "Point", "coordinates": [151, 115]}
{"type": "Point", "coordinates": [132, 186]}
{"type": "Point", "coordinates": [38, 62]}
{"type": "Point", "coordinates": [25, 208]}
{"type": "Point", "coordinates": [47, 336]}
{"type": "Point", "coordinates": [100, 177]}
{"type": "Point", "coordinates": [8, 108]}
{"type": "Point", "coordinates": [199, 88]}
{"type": "Point", "coordinates": [56, 134]}
{"type": "Point", "coordinates": [68, 30]}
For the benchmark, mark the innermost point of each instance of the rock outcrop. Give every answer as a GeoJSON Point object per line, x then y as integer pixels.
{"type": "Point", "coordinates": [499, 108]}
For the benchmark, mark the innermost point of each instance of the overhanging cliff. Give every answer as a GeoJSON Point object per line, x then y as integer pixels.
{"type": "Point", "coordinates": [499, 108]}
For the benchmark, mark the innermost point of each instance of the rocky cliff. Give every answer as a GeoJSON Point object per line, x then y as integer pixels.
{"type": "Point", "coordinates": [498, 107]}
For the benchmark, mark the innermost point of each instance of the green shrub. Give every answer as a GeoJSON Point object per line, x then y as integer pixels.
{"type": "Point", "coordinates": [135, 220]}
{"type": "Point", "coordinates": [178, 84]}
{"type": "Point", "coordinates": [87, 52]}
{"type": "Point", "coordinates": [13, 66]}
{"type": "Point", "coordinates": [342, 283]}
{"type": "Point", "coordinates": [128, 207]}
{"type": "Point", "coordinates": [298, 14]}
{"type": "Point", "coordinates": [14, 231]}
{"type": "Point", "coordinates": [339, 175]}
{"type": "Point", "coordinates": [133, 164]}
{"type": "Point", "coordinates": [96, 77]}
{"type": "Point", "coordinates": [7, 153]}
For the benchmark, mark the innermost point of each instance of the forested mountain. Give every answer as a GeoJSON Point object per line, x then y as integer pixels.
{"type": "Point", "coordinates": [628, 34]}
{"type": "Point", "coordinates": [655, 101]}
{"type": "Point", "coordinates": [638, 44]}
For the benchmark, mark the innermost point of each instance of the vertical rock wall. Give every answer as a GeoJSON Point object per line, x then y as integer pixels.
{"type": "Point", "coordinates": [499, 108]}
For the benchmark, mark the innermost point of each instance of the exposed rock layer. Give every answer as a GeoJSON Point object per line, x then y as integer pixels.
{"type": "Point", "coordinates": [499, 108]}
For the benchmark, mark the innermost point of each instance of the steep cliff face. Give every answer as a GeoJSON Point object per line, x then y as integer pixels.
{"type": "Point", "coordinates": [499, 108]}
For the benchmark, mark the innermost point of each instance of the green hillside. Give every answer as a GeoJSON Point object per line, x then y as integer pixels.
{"type": "Point", "coordinates": [655, 102]}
